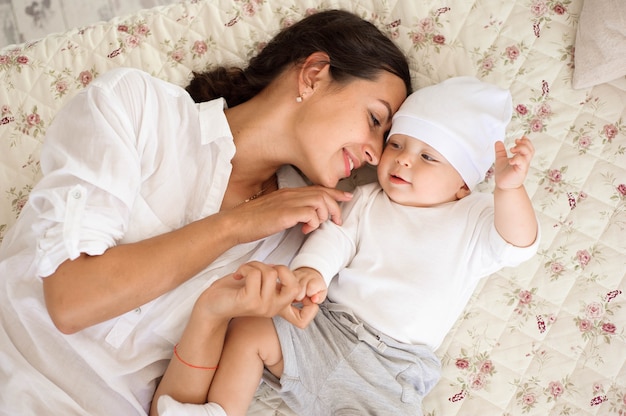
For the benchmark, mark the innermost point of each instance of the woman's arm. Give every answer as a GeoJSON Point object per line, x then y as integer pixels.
{"type": "Point", "coordinates": [92, 289]}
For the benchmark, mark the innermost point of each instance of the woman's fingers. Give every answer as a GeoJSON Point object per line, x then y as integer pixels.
{"type": "Point", "coordinates": [285, 208]}
{"type": "Point", "coordinates": [300, 316]}
{"type": "Point", "coordinates": [266, 289]}
{"type": "Point", "coordinates": [258, 289]}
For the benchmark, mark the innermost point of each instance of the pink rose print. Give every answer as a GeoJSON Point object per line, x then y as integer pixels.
{"type": "Point", "coordinates": [536, 125]}
{"type": "Point", "coordinates": [142, 30]}
{"type": "Point", "coordinates": [608, 328]}
{"type": "Point", "coordinates": [21, 203]}
{"type": "Point", "coordinates": [33, 119]}
{"type": "Point", "coordinates": [544, 110]}
{"type": "Point", "coordinates": [462, 363]}
{"type": "Point", "coordinates": [439, 40]}
{"type": "Point", "coordinates": [556, 267]}
{"type": "Point", "coordinates": [249, 9]}
{"type": "Point", "coordinates": [131, 37]}
{"type": "Point", "coordinates": [539, 8]}
{"type": "Point", "coordinates": [529, 399]}
{"type": "Point", "coordinates": [555, 388]}
{"type": "Point", "coordinates": [477, 381]}
{"type": "Point", "coordinates": [488, 64]}
{"type": "Point", "coordinates": [486, 367]}
{"type": "Point", "coordinates": [621, 188]}
{"type": "Point", "coordinates": [583, 257]}
{"type": "Point", "coordinates": [555, 176]}
{"type": "Point", "coordinates": [594, 310]}
{"type": "Point", "coordinates": [584, 142]}
{"type": "Point", "coordinates": [475, 373]}
{"type": "Point", "coordinates": [85, 78]}
{"type": "Point", "coordinates": [512, 52]}
{"type": "Point", "coordinates": [22, 59]}
{"type": "Point", "coordinates": [610, 131]}
{"type": "Point", "coordinates": [525, 297]}
{"type": "Point", "coordinates": [418, 37]}
{"type": "Point", "coordinates": [426, 32]}
{"type": "Point", "coordinates": [559, 9]}
{"type": "Point", "coordinates": [427, 25]}
{"type": "Point", "coordinates": [585, 325]}
{"type": "Point", "coordinates": [199, 47]}
{"type": "Point", "coordinates": [132, 41]}
{"type": "Point", "coordinates": [287, 22]}
{"type": "Point", "coordinates": [177, 55]}
{"type": "Point", "coordinates": [61, 87]}
{"type": "Point", "coordinates": [521, 109]}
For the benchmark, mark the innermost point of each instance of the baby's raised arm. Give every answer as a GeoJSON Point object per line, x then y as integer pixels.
{"type": "Point", "coordinates": [515, 217]}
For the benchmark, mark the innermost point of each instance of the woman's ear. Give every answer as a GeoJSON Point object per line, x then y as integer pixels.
{"type": "Point", "coordinates": [463, 192]}
{"type": "Point", "coordinates": [313, 72]}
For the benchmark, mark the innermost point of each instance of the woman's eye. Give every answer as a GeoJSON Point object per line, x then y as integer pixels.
{"type": "Point", "coordinates": [375, 121]}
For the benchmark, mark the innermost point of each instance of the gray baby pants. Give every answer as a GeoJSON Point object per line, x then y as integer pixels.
{"type": "Point", "coordinates": [339, 366]}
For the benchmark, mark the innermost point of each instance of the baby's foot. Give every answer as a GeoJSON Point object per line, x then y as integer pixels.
{"type": "Point", "coordinates": [166, 406]}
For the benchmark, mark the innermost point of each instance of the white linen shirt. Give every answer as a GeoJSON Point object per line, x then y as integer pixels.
{"type": "Point", "coordinates": [128, 158]}
{"type": "Point", "coordinates": [409, 271]}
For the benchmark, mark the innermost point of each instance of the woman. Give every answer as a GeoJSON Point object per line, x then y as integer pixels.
{"type": "Point", "coordinates": [148, 197]}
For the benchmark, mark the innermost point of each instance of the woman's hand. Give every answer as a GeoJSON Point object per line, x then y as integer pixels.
{"type": "Point", "coordinates": [255, 289]}
{"type": "Point", "coordinates": [285, 208]}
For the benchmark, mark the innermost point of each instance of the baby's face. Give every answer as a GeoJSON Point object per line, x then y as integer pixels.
{"type": "Point", "coordinates": [414, 174]}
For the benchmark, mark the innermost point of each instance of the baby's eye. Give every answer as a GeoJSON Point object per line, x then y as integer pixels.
{"type": "Point", "coordinates": [393, 145]}
{"type": "Point", "coordinates": [428, 157]}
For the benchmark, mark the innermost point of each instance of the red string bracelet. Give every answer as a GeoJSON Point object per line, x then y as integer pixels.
{"type": "Point", "coordinates": [197, 367]}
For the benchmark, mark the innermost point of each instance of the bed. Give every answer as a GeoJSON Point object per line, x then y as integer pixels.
{"type": "Point", "coordinates": [545, 338]}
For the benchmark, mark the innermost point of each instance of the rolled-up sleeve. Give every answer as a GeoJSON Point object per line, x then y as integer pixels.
{"type": "Point", "coordinates": [92, 174]}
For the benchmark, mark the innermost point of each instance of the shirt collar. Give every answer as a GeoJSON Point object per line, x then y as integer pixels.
{"type": "Point", "coordinates": [213, 122]}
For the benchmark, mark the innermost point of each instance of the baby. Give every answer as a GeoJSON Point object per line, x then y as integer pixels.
{"type": "Point", "coordinates": [398, 272]}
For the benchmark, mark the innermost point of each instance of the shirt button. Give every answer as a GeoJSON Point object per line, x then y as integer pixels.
{"type": "Point", "coordinates": [77, 194]}
{"type": "Point", "coordinates": [138, 310]}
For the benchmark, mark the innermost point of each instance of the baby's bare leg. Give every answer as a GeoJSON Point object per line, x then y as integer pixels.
{"type": "Point", "coordinates": [251, 344]}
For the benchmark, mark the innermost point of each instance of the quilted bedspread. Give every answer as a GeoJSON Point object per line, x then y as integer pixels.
{"type": "Point", "coordinates": [545, 338]}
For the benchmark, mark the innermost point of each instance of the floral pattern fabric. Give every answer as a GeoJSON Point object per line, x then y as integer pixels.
{"type": "Point", "coordinates": [545, 338]}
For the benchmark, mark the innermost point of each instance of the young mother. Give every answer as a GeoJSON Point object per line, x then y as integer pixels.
{"type": "Point", "coordinates": [147, 198]}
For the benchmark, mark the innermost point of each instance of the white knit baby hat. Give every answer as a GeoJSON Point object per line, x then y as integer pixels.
{"type": "Point", "coordinates": [461, 118]}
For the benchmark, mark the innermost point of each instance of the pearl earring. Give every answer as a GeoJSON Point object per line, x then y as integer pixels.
{"type": "Point", "coordinates": [299, 99]}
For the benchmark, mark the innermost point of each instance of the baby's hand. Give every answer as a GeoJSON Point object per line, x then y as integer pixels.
{"type": "Point", "coordinates": [312, 285]}
{"type": "Point", "coordinates": [510, 173]}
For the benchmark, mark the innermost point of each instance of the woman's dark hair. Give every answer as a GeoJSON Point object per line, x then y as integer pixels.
{"type": "Point", "coordinates": [357, 49]}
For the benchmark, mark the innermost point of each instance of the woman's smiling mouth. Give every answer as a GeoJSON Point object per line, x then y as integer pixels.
{"type": "Point", "coordinates": [349, 163]}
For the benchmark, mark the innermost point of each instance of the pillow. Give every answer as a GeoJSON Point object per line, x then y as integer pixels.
{"type": "Point", "coordinates": [600, 54]}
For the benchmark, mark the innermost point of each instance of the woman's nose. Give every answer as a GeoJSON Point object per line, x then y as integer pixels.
{"type": "Point", "coordinates": [372, 154]}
